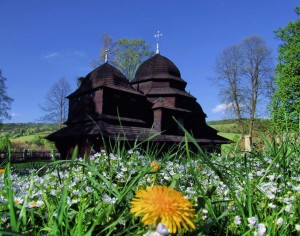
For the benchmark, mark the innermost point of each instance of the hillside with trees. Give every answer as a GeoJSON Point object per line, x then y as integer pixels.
{"type": "Point", "coordinates": [27, 135]}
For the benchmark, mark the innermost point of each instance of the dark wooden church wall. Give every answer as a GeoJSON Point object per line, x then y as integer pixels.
{"type": "Point", "coordinates": [117, 103]}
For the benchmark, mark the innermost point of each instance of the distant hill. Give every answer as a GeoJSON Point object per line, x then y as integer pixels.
{"type": "Point", "coordinates": [15, 130]}
{"type": "Point", "coordinates": [28, 135]}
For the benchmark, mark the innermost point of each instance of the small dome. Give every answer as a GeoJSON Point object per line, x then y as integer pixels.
{"type": "Point", "coordinates": [157, 66]}
{"type": "Point", "coordinates": [107, 72]}
{"type": "Point", "coordinates": [105, 75]}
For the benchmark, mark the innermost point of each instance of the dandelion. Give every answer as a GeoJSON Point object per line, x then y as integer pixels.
{"type": "Point", "coordinates": [161, 204]}
{"type": "Point", "coordinates": [155, 166]}
{"type": "Point", "coordinates": [2, 171]}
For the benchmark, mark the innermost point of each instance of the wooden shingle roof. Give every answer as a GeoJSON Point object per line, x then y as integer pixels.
{"type": "Point", "coordinates": [159, 67]}
{"type": "Point", "coordinates": [105, 75]}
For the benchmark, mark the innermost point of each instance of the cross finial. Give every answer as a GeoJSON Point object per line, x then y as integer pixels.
{"type": "Point", "coordinates": [157, 36]}
{"type": "Point", "coordinates": [106, 55]}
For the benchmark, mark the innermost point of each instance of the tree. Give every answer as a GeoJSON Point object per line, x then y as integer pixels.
{"type": "Point", "coordinates": [244, 73]}
{"type": "Point", "coordinates": [125, 54]}
{"type": "Point", "coordinates": [56, 104]}
{"type": "Point", "coordinates": [257, 72]}
{"type": "Point", "coordinates": [228, 68]}
{"type": "Point", "coordinates": [285, 106]}
{"type": "Point", "coordinates": [5, 100]}
{"type": "Point", "coordinates": [129, 55]}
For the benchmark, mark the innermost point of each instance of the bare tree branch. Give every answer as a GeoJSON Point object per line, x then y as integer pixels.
{"type": "Point", "coordinates": [56, 104]}
{"type": "Point", "coordinates": [244, 75]}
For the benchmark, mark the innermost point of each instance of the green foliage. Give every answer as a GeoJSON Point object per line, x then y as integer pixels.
{"type": "Point", "coordinates": [4, 143]}
{"type": "Point", "coordinates": [129, 54]}
{"type": "Point", "coordinates": [285, 107]}
{"type": "Point", "coordinates": [28, 135]}
{"type": "Point", "coordinates": [125, 54]}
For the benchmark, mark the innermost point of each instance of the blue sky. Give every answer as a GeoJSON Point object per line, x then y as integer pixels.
{"type": "Point", "coordinates": [42, 41]}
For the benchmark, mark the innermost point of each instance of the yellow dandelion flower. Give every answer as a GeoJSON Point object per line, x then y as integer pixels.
{"type": "Point", "coordinates": [155, 166]}
{"type": "Point", "coordinates": [2, 171]}
{"type": "Point", "coordinates": [161, 204]}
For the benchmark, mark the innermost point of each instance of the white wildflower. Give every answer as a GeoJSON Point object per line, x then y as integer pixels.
{"type": "Point", "coordinates": [279, 221]}
{"type": "Point", "coordinates": [130, 152]}
{"type": "Point", "coordinates": [88, 189]}
{"type": "Point", "coordinates": [261, 229]}
{"type": "Point", "coordinates": [270, 195]}
{"type": "Point", "coordinates": [297, 188]}
{"type": "Point", "coordinates": [35, 204]}
{"type": "Point", "coordinates": [271, 205]}
{"type": "Point", "coordinates": [288, 208]}
{"type": "Point", "coordinates": [252, 222]}
{"type": "Point", "coordinates": [18, 200]}
{"type": "Point", "coordinates": [204, 211]}
{"type": "Point", "coordinates": [162, 229]}
{"type": "Point", "coordinates": [53, 192]}
{"type": "Point", "coordinates": [108, 199]}
{"type": "Point", "coordinates": [271, 177]}
{"type": "Point", "coordinates": [237, 220]}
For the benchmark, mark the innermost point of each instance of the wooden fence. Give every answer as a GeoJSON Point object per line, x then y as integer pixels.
{"type": "Point", "coordinates": [28, 155]}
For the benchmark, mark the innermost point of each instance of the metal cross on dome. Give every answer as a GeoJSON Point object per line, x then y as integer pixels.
{"type": "Point", "coordinates": [157, 36]}
{"type": "Point", "coordinates": [106, 55]}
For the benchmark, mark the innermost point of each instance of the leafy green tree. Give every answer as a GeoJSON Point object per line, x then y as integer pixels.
{"type": "Point", "coordinates": [129, 54]}
{"type": "Point", "coordinates": [285, 106]}
{"type": "Point", "coordinates": [125, 54]}
{"type": "Point", "coordinates": [5, 100]}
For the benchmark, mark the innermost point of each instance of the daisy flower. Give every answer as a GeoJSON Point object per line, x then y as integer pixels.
{"type": "Point", "coordinates": [35, 204]}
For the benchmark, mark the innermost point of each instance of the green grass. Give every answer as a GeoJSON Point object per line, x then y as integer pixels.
{"type": "Point", "coordinates": [232, 136]}
{"type": "Point", "coordinates": [240, 194]}
{"type": "Point", "coordinates": [29, 138]}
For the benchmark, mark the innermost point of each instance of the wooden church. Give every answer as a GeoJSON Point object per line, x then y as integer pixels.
{"type": "Point", "coordinates": [107, 107]}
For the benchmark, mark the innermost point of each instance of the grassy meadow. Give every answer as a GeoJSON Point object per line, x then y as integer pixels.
{"type": "Point", "coordinates": [144, 192]}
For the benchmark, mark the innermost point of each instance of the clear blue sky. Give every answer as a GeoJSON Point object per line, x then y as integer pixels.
{"type": "Point", "coordinates": [42, 41]}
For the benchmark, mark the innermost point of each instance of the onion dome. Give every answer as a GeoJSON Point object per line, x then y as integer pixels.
{"type": "Point", "coordinates": [105, 75]}
{"type": "Point", "coordinates": [157, 66]}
